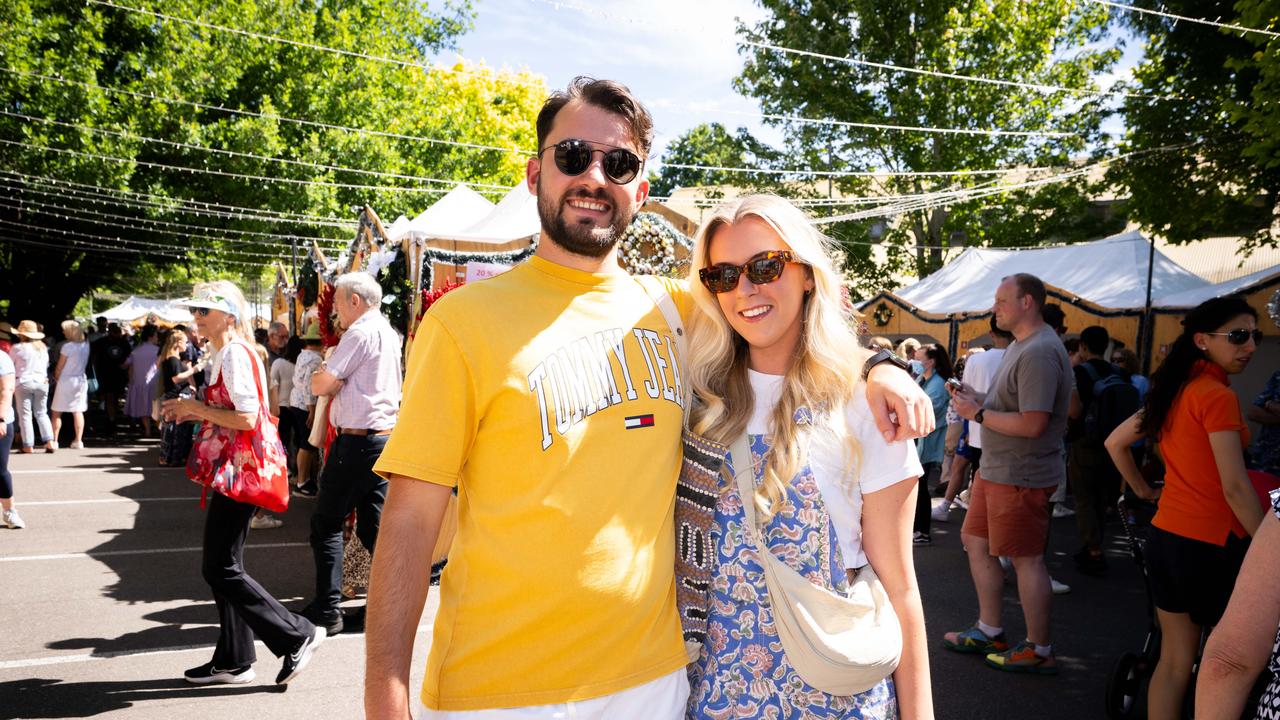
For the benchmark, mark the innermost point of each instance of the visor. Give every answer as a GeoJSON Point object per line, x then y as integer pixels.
{"type": "Point", "coordinates": [210, 301]}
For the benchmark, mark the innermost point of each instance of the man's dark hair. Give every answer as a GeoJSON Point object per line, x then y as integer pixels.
{"type": "Point", "coordinates": [1072, 345]}
{"type": "Point", "coordinates": [1095, 338]}
{"type": "Point", "coordinates": [607, 95]}
{"type": "Point", "coordinates": [997, 332]}
{"type": "Point", "coordinates": [1054, 317]}
{"type": "Point", "coordinates": [1029, 285]}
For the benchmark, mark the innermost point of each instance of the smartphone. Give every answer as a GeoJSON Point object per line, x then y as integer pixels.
{"type": "Point", "coordinates": [955, 384]}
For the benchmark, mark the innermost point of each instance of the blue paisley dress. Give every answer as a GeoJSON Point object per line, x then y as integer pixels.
{"type": "Point", "coordinates": [742, 671]}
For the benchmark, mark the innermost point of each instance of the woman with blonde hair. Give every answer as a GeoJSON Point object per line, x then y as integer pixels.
{"type": "Point", "coordinates": [773, 356]}
{"type": "Point", "coordinates": [71, 391]}
{"type": "Point", "coordinates": [31, 363]}
{"type": "Point", "coordinates": [236, 400]}
{"type": "Point", "coordinates": [175, 376]}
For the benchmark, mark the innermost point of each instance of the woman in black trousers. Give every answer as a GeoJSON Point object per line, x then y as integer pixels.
{"type": "Point", "coordinates": [235, 400]}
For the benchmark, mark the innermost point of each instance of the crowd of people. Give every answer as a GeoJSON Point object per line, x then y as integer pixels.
{"type": "Point", "coordinates": [564, 408]}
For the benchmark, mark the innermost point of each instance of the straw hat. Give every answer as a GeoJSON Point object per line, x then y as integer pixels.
{"type": "Point", "coordinates": [29, 330]}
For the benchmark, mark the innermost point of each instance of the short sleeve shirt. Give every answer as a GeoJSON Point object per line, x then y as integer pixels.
{"type": "Point", "coordinates": [1192, 503]}
{"type": "Point", "coordinates": [1034, 376]}
{"type": "Point", "coordinates": [880, 464]}
{"type": "Point", "coordinates": [979, 371]}
{"type": "Point", "coordinates": [282, 380]}
{"type": "Point", "coordinates": [367, 360]}
{"type": "Point", "coordinates": [236, 364]}
{"type": "Point", "coordinates": [6, 368]}
{"type": "Point", "coordinates": [308, 362]}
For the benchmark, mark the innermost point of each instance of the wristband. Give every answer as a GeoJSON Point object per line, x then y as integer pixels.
{"type": "Point", "coordinates": [884, 356]}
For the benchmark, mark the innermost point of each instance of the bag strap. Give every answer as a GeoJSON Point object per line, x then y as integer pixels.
{"type": "Point", "coordinates": [744, 476]}
{"type": "Point", "coordinates": [657, 292]}
{"type": "Point", "coordinates": [257, 380]}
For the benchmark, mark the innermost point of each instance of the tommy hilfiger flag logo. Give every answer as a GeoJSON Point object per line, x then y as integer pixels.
{"type": "Point", "coordinates": [639, 421]}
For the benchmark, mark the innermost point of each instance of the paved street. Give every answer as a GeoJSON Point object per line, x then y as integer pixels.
{"type": "Point", "coordinates": [104, 607]}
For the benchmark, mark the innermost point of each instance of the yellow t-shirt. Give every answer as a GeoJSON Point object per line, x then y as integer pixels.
{"type": "Point", "coordinates": [552, 400]}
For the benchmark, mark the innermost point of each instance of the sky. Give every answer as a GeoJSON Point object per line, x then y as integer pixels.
{"type": "Point", "coordinates": [678, 56]}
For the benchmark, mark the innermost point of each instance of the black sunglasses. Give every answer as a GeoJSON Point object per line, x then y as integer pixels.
{"type": "Point", "coordinates": [761, 269]}
{"type": "Point", "coordinates": [573, 157]}
{"type": "Point", "coordinates": [202, 311]}
{"type": "Point", "coordinates": [1240, 336]}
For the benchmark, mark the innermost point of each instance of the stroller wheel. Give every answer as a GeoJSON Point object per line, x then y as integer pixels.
{"type": "Point", "coordinates": [1126, 686]}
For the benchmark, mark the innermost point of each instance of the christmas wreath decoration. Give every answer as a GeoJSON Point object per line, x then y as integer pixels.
{"type": "Point", "coordinates": [648, 247]}
{"type": "Point", "coordinates": [882, 314]}
{"type": "Point", "coordinates": [397, 291]}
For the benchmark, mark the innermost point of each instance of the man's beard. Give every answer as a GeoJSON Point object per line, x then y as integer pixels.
{"type": "Point", "coordinates": [581, 238]}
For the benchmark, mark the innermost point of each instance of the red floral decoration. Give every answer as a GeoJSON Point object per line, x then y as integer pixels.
{"type": "Point", "coordinates": [429, 297]}
{"type": "Point", "coordinates": [324, 308]}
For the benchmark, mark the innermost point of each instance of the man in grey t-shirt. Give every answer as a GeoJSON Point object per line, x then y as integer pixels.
{"type": "Point", "coordinates": [1023, 417]}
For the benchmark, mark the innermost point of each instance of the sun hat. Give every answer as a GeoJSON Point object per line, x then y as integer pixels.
{"type": "Point", "coordinates": [312, 332]}
{"type": "Point", "coordinates": [29, 330]}
{"type": "Point", "coordinates": [212, 301]}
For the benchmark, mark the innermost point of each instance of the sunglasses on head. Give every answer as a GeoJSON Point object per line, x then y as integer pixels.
{"type": "Point", "coordinates": [1240, 336]}
{"type": "Point", "coordinates": [761, 269]}
{"type": "Point", "coordinates": [573, 157]}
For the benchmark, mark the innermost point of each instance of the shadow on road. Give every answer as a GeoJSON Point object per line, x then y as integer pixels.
{"type": "Point", "coordinates": [48, 698]}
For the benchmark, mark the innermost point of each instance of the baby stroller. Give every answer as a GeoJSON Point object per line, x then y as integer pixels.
{"type": "Point", "coordinates": [1126, 696]}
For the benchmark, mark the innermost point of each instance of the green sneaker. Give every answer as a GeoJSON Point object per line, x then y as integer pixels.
{"type": "Point", "coordinates": [1022, 658]}
{"type": "Point", "coordinates": [974, 642]}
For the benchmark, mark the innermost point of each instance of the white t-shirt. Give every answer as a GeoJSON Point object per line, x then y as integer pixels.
{"type": "Point", "coordinates": [77, 355]}
{"type": "Point", "coordinates": [237, 364]}
{"type": "Point", "coordinates": [979, 371]}
{"type": "Point", "coordinates": [31, 362]}
{"type": "Point", "coordinates": [881, 464]}
{"type": "Point", "coordinates": [282, 380]}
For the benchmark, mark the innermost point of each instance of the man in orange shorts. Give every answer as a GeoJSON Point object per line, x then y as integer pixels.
{"type": "Point", "coordinates": [1023, 417]}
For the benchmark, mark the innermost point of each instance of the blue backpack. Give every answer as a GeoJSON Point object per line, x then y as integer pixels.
{"type": "Point", "coordinates": [1114, 400]}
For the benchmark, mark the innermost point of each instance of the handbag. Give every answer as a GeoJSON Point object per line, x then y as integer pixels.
{"type": "Point", "coordinates": [91, 378]}
{"type": "Point", "coordinates": [839, 644]}
{"type": "Point", "coordinates": [247, 466]}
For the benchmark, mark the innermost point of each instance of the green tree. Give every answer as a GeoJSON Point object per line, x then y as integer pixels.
{"type": "Point", "coordinates": [1050, 42]}
{"type": "Point", "coordinates": [712, 145]}
{"type": "Point", "coordinates": [1220, 91]}
{"type": "Point", "coordinates": [99, 51]}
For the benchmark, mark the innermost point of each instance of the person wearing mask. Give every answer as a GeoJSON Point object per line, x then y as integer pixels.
{"type": "Point", "coordinates": [71, 390]}
{"type": "Point", "coordinates": [826, 516]}
{"type": "Point", "coordinates": [933, 380]}
{"type": "Point", "coordinates": [31, 365]}
{"type": "Point", "coordinates": [143, 371]}
{"type": "Point", "coordinates": [235, 400]}
{"type": "Point", "coordinates": [1207, 509]}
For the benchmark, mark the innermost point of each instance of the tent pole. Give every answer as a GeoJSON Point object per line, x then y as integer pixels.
{"type": "Point", "coordinates": [1147, 329]}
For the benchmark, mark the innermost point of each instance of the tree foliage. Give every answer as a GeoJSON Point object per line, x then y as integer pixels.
{"type": "Point", "coordinates": [1050, 42]}
{"type": "Point", "coordinates": [1219, 91]}
{"type": "Point", "coordinates": [154, 59]}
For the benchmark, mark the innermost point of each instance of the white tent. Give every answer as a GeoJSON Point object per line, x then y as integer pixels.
{"type": "Point", "coordinates": [398, 229]}
{"type": "Point", "coordinates": [515, 217]}
{"type": "Point", "coordinates": [460, 208]}
{"type": "Point", "coordinates": [1110, 273]}
{"type": "Point", "coordinates": [136, 308]}
{"type": "Point", "coordinates": [1193, 297]}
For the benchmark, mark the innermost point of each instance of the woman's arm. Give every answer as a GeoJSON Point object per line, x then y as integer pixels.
{"type": "Point", "coordinates": [1240, 644]}
{"type": "Point", "coordinates": [1229, 458]}
{"type": "Point", "coordinates": [1118, 444]}
{"type": "Point", "coordinates": [57, 371]}
{"type": "Point", "coordinates": [187, 409]}
{"type": "Point", "coordinates": [887, 516]}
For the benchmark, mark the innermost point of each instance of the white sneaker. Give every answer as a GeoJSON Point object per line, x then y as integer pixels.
{"type": "Point", "coordinates": [1061, 511]}
{"type": "Point", "coordinates": [265, 522]}
{"type": "Point", "coordinates": [1059, 588]}
{"type": "Point", "coordinates": [13, 519]}
{"type": "Point", "coordinates": [940, 513]}
{"type": "Point", "coordinates": [77, 445]}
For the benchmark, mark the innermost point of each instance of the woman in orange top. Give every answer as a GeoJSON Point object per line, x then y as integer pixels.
{"type": "Point", "coordinates": [1207, 510]}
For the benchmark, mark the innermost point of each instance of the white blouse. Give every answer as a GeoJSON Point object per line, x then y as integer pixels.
{"type": "Point", "coordinates": [881, 464]}
{"type": "Point", "coordinates": [238, 366]}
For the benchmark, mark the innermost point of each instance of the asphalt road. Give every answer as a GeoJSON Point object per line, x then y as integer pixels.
{"type": "Point", "coordinates": [102, 607]}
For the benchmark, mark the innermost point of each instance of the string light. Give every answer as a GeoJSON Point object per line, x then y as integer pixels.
{"type": "Point", "coordinates": [1184, 18]}
{"type": "Point", "coordinates": [123, 247]}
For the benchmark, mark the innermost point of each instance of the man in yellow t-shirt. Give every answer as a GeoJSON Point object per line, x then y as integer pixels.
{"type": "Point", "coordinates": [551, 397]}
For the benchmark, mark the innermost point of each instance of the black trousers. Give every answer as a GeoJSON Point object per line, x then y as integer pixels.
{"type": "Point", "coordinates": [1095, 482]}
{"type": "Point", "coordinates": [924, 500]}
{"type": "Point", "coordinates": [245, 609]}
{"type": "Point", "coordinates": [347, 483]}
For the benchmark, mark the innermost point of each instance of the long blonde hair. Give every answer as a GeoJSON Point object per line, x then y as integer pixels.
{"type": "Point", "coordinates": [824, 375]}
